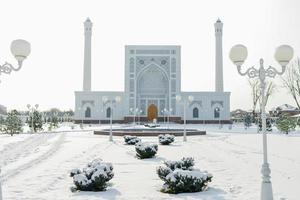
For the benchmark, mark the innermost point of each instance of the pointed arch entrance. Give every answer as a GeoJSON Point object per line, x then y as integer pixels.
{"type": "Point", "coordinates": [152, 112]}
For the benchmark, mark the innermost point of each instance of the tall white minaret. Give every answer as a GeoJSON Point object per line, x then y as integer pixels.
{"type": "Point", "coordinates": [87, 55]}
{"type": "Point", "coordinates": [219, 56]}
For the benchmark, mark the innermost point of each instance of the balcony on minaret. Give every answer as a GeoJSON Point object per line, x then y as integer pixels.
{"type": "Point", "coordinates": [218, 27]}
{"type": "Point", "coordinates": [88, 25]}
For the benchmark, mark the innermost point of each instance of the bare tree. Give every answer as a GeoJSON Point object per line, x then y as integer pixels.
{"type": "Point", "coordinates": [291, 80]}
{"type": "Point", "coordinates": [256, 92]}
{"type": "Point", "coordinates": [270, 90]}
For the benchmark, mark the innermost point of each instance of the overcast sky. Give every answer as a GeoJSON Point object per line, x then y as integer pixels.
{"type": "Point", "coordinates": [54, 28]}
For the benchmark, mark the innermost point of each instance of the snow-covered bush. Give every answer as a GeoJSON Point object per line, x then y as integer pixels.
{"type": "Point", "coordinates": [184, 163]}
{"type": "Point", "coordinates": [180, 176]}
{"type": "Point", "coordinates": [93, 177]}
{"type": "Point", "coordinates": [131, 140]}
{"type": "Point", "coordinates": [75, 172]}
{"type": "Point", "coordinates": [145, 150]}
{"type": "Point", "coordinates": [166, 139]}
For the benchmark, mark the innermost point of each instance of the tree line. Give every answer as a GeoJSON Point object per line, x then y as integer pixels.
{"type": "Point", "coordinates": [13, 124]}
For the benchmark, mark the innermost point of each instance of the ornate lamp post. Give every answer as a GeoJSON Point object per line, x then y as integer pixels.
{"type": "Point", "coordinates": [184, 101]}
{"type": "Point", "coordinates": [80, 109]}
{"type": "Point", "coordinates": [110, 103]}
{"type": "Point", "coordinates": [139, 111]}
{"type": "Point", "coordinates": [31, 112]}
{"type": "Point", "coordinates": [0, 188]}
{"type": "Point", "coordinates": [132, 111]}
{"type": "Point", "coordinates": [99, 111]}
{"type": "Point", "coordinates": [168, 113]}
{"type": "Point", "coordinates": [163, 112]}
{"type": "Point", "coordinates": [283, 55]}
{"type": "Point", "coordinates": [20, 49]}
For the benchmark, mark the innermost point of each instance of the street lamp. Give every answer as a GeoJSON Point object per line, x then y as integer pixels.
{"type": "Point", "coordinates": [80, 109]}
{"type": "Point", "coordinates": [163, 112]}
{"type": "Point", "coordinates": [133, 112]}
{"type": "Point", "coordinates": [184, 101]}
{"type": "Point", "coordinates": [99, 111]}
{"type": "Point", "coordinates": [20, 49]}
{"type": "Point", "coordinates": [168, 113]}
{"type": "Point", "coordinates": [111, 102]}
{"type": "Point", "coordinates": [31, 112]}
{"type": "Point", "coordinates": [283, 55]}
{"type": "Point", "coordinates": [0, 188]}
{"type": "Point", "coordinates": [217, 109]}
{"type": "Point", "coordinates": [139, 115]}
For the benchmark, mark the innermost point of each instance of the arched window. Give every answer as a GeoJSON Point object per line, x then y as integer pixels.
{"type": "Point", "coordinates": [195, 113]}
{"type": "Point", "coordinates": [88, 112]}
{"type": "Point", "coordinates": [108, 112]}
{"type": "Point", "coordinates": [217, 112]}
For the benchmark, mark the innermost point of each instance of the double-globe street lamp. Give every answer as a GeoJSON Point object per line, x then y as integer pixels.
{"type": "Point", "coordinates": [168, 112]}
{"type": "Point", "coordinates": [80, 109]}
{"type": "Point", "coordinates": [31, 110]}
{"type": "Point", "coordinates": [110, 102]}
{"type": "Point", "coordinates": [163, 113]}
{"type": "Point", "coordinates": [283, 55]}
{"type": "Point", "coordinates": [135, 112]}
{"type": "Point", "coordinates": [20, 50]}
{"type": "Point", "coordinates": [185, 101]}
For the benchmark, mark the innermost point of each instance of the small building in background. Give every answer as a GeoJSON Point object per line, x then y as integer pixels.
{"type": "Point", "coordinates": [284, 109]}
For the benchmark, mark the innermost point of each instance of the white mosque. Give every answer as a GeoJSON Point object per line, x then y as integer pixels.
{"type": "Point", "coordinates": [152, 88]}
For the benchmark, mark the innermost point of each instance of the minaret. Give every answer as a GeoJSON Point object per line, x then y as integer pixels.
{"type": "Point", "coordinates": [87, 55]}
{"type": "Point", "coordinates": [219, 56]}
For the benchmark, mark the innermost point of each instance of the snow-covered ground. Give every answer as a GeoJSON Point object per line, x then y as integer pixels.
{"type": "Point", "coordinates": [37, 166]}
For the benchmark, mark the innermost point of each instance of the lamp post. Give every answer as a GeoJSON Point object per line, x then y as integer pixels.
{"type": "Point", "coordinates": [219, 110]}
{"type": "Point", "coordinates": [283, 55]}
{"type": "Point", "coordinates": [132, 111]}
{"type": "Point", "coordinates": [31, 112]}
{"type": "Point", "coordinates": [164, 112]}
{"type": "Point", "coordinates": [20, 50]}
{"type": "Point", "coordinates": [169, 113]}
{"type": "Point", "coordinates": [111, 102]}
{"type": "Point", "coordinates": [99, 111]}
{"type": "Point", "coordinates": [0, 188]}
{"type": "Point", "coordinates": [184, 101]}
{"type": "Point", "coordinates": [80, 108]}
{"type": "Point", "coordinates": [139, 116]}
{"type": "Point", "coordinates": [44, 117]}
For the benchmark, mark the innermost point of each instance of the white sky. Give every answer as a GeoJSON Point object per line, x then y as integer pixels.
{"type": "Point", "coordinates": [54, 28]}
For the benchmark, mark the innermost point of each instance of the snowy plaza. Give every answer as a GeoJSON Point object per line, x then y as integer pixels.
{"type": "Point", "coordinates": [38, 166]}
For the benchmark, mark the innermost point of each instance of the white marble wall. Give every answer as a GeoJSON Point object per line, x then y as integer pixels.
{"type": "Point", "coordinates": [94, 100]}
